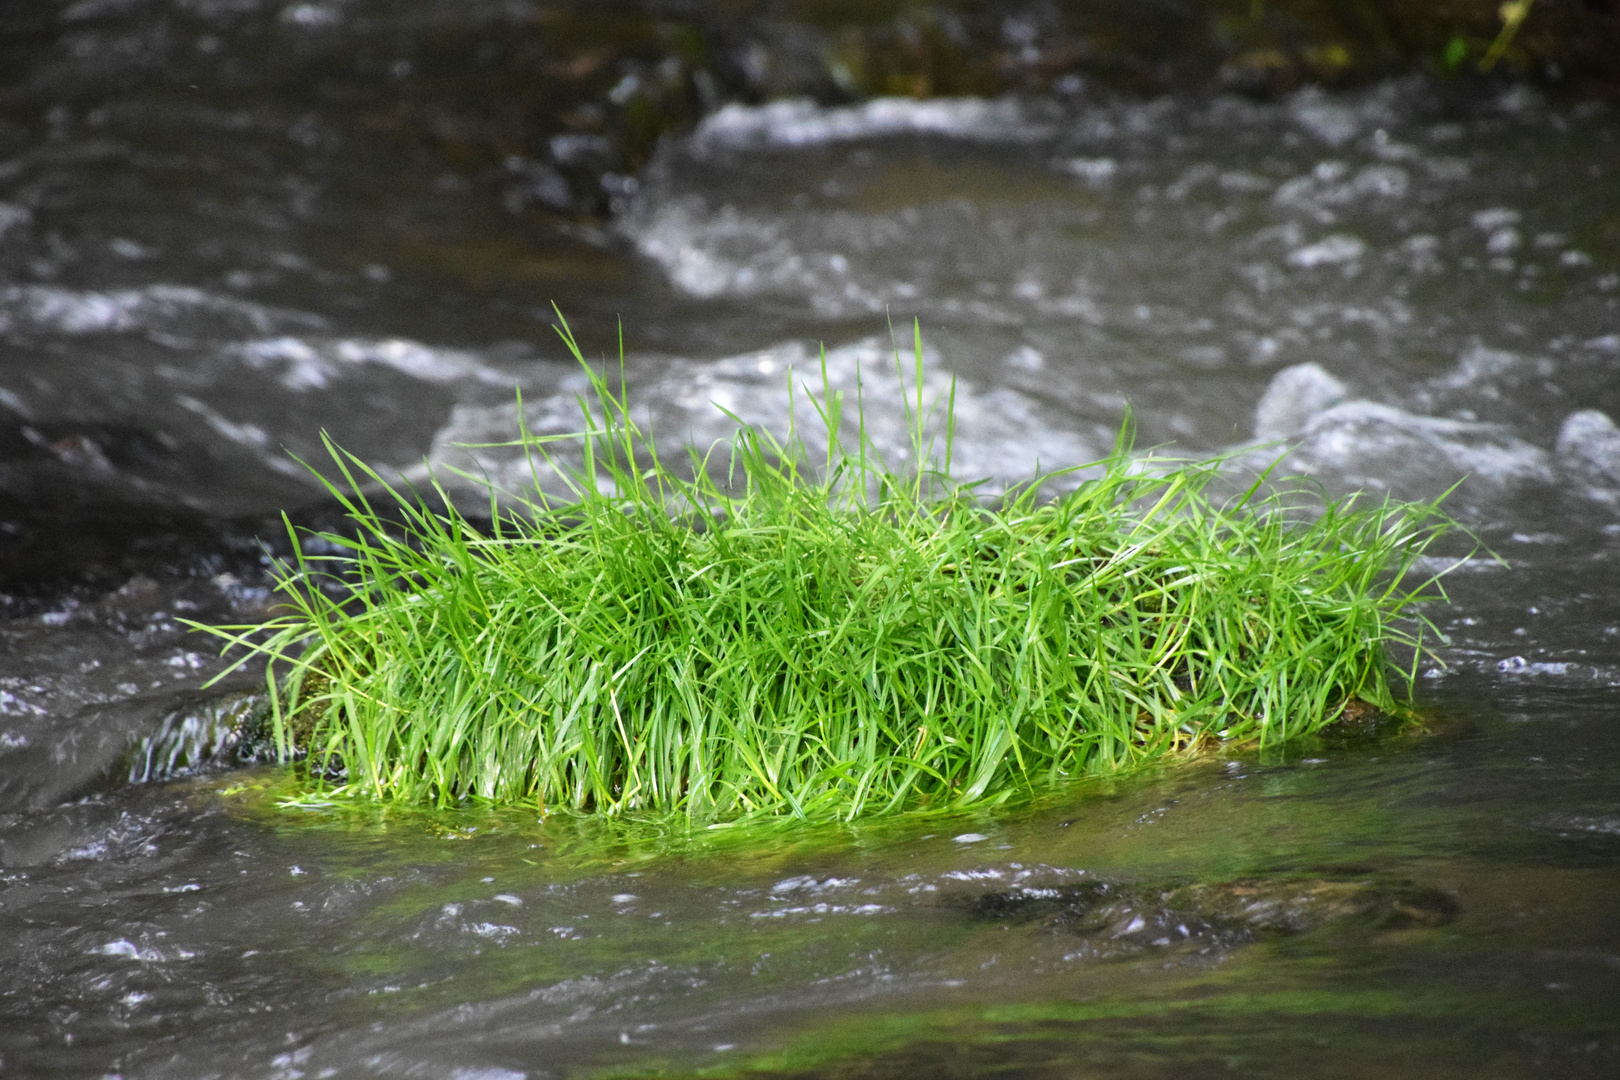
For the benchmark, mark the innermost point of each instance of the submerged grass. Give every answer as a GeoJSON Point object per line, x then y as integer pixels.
{"type": "Point", "coordinates": [766, 635]}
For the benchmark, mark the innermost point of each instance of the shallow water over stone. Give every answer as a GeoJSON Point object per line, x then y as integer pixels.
{"type": "Point", "coordinates": [1398, 287]}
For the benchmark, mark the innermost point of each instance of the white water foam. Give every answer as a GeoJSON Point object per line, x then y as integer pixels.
{"type": "Point", "coordinates": [13, 216]}
{"type": "Point", "coordinates": [802, 122]}
{"type": "Point", "coordinates": [1000, 434]}
{"type": "Point", "coordinates": [302, 365]}
{"type": "Point", "coordinates": [710, 253]}
{"type": "Point", "coordinates": [1377, 446]}
{"type": "Point", "coordinates": [1329, 188]}
{"type": "Point", "coordinates": [1336, 250]}
{"type": "Point", "coordinates": [1589, 448]}
{"type": "Point", "coordinates": [1336, 119]}
{"type": "Point", "coordinates": [1367, 444]}
{"type": "Point", "coordinates": [177, 308]}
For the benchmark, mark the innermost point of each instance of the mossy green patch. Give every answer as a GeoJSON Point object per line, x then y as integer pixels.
{"type": "Point", "coordinates": [1057, 1037]}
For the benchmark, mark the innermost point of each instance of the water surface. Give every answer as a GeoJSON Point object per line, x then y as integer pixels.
{"type": "Point", "coordinates": [1399, 287]}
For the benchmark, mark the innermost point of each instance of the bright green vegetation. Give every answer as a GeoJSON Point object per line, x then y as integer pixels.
{"type": "Point", "coordinates": [763, 635]}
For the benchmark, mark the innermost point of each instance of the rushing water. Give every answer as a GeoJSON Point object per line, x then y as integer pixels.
{"type": "Point", "coordinates": [226, 227]}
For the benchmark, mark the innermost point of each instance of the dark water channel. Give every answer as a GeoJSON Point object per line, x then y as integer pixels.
{"type": "Point", "coordinates": [227, 225]}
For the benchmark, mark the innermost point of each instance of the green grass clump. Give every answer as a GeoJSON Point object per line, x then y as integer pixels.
{"type": "Point", "coordinates": [759, 635]}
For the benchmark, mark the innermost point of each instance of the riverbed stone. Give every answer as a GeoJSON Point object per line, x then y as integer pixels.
{"type": "Point", "coordinates": [1296, 394]}
{"type": "Point", "coordinates": [1589, 448]}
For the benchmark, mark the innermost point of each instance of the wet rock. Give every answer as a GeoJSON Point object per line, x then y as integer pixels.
{"type": "Point", "coordinates": [109, 688]}
{"type": "Point", "coordinates": [1365, 444]}
{"type": "Point", "coordinates": [139, 739]}
{"type": "Point", "coordinates": [1589, 448]}
{"type": "Point", "coordinates": [1295, 396]}
{"type": "Point", "coordinates": [189, 739]}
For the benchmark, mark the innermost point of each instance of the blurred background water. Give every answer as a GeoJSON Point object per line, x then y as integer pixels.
{"type": "Point", "coordinates": [227, 226]}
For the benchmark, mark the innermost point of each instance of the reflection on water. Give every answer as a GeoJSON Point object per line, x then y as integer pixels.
{"type": "Point", "coordinates": [225, 228]}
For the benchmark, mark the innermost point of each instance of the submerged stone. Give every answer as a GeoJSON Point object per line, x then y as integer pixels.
{"type": "Point", "coordinates": [1117, 918]}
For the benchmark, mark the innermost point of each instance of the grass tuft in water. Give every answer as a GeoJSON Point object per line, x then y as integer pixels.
{"type": "Point", "coordinates": [758, 634]}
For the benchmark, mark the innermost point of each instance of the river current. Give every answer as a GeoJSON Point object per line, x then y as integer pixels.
{"type": "Point", "coordinates": [219, 238]}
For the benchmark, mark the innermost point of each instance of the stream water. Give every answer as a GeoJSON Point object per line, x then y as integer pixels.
{"type": "Point", "coordinates": [226, 227]}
